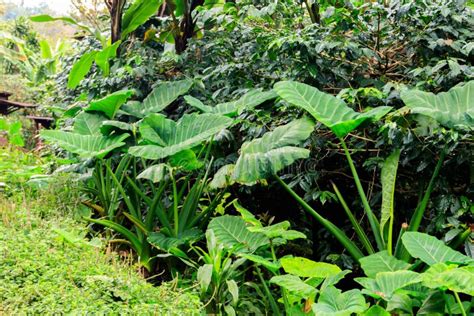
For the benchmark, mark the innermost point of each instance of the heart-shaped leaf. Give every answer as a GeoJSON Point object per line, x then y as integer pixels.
{"type": "Point", "coordinates": [329, 110]}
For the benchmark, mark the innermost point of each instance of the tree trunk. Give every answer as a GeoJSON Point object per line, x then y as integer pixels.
{"type": "Point", "coordinates": [186, 27]}
{"type": "Point", "coordinates": [115, 8]}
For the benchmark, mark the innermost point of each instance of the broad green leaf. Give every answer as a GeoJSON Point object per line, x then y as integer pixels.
{"type": "Point", "coordinates": [223, 177]}
{"type": "Point", "coordinates": [48, 18]}
{"type": "Point", "coordinates": [294, 285]}
{"type": "Point", "coordinates": [400, 303]}
{"type": "Point", "coordinates": [389, 176]}
{"type": "Point", "coordinates": [247, 216]}
{"type": "Point", "coordinates": [185, 160]}
{"type": "Point", "coordinates": [263, 157]}
{"type": "Point", "coordinates": [307, 268]}
{"type": "Point", "coordinates": [385, 284]}
{"type": "Point", "coordinates": [137, 14]}
{"type": "Point", "coordinates": [80, 69]}
{"type": "Point", "coordinates": [279, 230]}
{"type": "Point", "coordinates": [166, 243]}
{"type": "Point", "coordinates": [232, 232]}
{"type": "Point", "coordinates": [155, 173]}
{"type": "Point", "coordinates": [172, 138]}
{"type": "Point", "coordinates": [46, 52]}
{"type": "Point", "coordinates": [329, 110]}
{"type": "Point", "coordinates": [453, 109]}
{"type": "Point", "coordinates": [248, 101]}
{"type": "Point", "coordinates": [332, 302]}
{"type": "Point", "coordinates": [434, 304]}
{"type": "Point", "coordinates": [381, 262]}
{"type": "Point", "coordinates": [110, 104]}
{"type": "Point", "coordinates": [103, 57]}
{"type": "Point", "coordinates": [162, 95]}
{"type": "Point", "coordinates": [108, 126]}
{"type": "Point", "coordinates": [431, 250]}
{"type": "Point", "coordinates": [270, 265]}
{"type": "Point", "coordinates": [457, 279]}
{"type": "Point", "coordinates": [204, 276]}
{"type": "Point", "coordinates": [234, 290]}
{"type": "Point", "coordinates": [376, 310]}
{"type": "Point", "coordinates": [88, 123]}
{"type": "Point", "coordinates": [334, 279]}
{"type": "Point", "coordinates": [86, 146]}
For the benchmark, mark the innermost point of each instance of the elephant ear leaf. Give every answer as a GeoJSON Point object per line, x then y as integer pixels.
{"type": "Point", "coordinates": [161, 96]}
{"type": "Point", "coordinates": [249, 100]}
{"type": "Point", "coordinates": [334, 302]}
{"type": "Point", "coordinates": [88, 123]}
{"type": "Point", "coordinates": [457, 279]}
{"type": "Point", "coordinates": [327, 109]}
{"type": "Point", "coordinates": [86, 146]}
{"type": "Point", "coordinates": [431, 250]}
{"type": "Point", "coordinates": [453, 109]}
{"type": "Point", "coordinates": [385, 284]}
{"type": "Point", "coordinates": [232, 233]}
{"type": "Point", "coordinates": [263, 157]}
{"type": "Point", "coordinates": [381, 262]}
{"type": "Point", "coordinates": [189, 132]}
{"type": "Point", "coordinates": [110, 104]}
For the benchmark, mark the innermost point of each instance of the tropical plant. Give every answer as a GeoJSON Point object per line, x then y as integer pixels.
{"type": "Point", "coordinates": [395, 285]}
{"type": "Point", "coordinates": [137, 14]}
{"type": "Point", "coordinates": [13, 131]}
{"type": "Point", "coordinates": [168, 194]}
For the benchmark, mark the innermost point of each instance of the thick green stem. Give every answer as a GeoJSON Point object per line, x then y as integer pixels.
{"type": "Point", "coordinates": [420, 210]}
{"type": "Point", "coordinates": [351, 247]}
{"type": "Point", "coordinates": [458, 299]}
{"type": "Point", "coordinates": [358, 229]}
{"type": "Point", "coordinates": [271, 299]}
{"type": "Point", "coordinates": [374, 224]}
{"type": "Point", "coordinates": [175, 204]}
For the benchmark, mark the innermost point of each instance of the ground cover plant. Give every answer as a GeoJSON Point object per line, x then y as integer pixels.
{"type": "Point", "coordinates": [251, 157]}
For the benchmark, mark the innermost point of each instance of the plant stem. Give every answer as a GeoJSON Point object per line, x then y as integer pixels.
{"type": "Point", "coordinates": [458, 299]}
{"type": "Point", "coordinates": [372, 219]}
{"type": "Point", "coordinates": [420, 210]}
{"type": "Point", "coordinates": [351, 247]}
{"type": "Point", "coordinates": [175, 204]}
{"type": "Point", "coordinates": [271, 299]}
{"type": "Point", "coordinates": [358, 229]}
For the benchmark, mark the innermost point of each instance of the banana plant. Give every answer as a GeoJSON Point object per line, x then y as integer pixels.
{"type": "Point", "coordinates": [36, 66]}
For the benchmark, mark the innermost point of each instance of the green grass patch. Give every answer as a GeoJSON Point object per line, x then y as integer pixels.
{"type": "Point", "coordinates": [47, 266]}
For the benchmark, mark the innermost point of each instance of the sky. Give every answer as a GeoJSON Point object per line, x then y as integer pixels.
{"type": "Point", "coordinates": [60, 6]}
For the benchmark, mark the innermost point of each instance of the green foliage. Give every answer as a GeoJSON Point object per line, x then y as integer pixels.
{"type": "Point", "coordinates": [452, 109]}
{"type": "Point", "coordinates": [50, 267]}
{"type": "Point", "coordinates": [431, 250]}
{"type": "Point", "coordinates": [87, 146]}
{"type": "Point", "coordinates": [161, 96]}
{"type": "Point", "coordinates": [168, 137]}
{"type": "Point", "coordinates": [264, 157]}
{"type": "Point", "coordinates": [327, 109]}
{"type": "Point", "coordinates": [137, 14]}
{"type": "Point", "coordinates": [231, 232]}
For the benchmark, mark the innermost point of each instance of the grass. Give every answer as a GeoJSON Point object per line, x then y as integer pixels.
{"type": "Point", "coordinates": [48, 266]}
